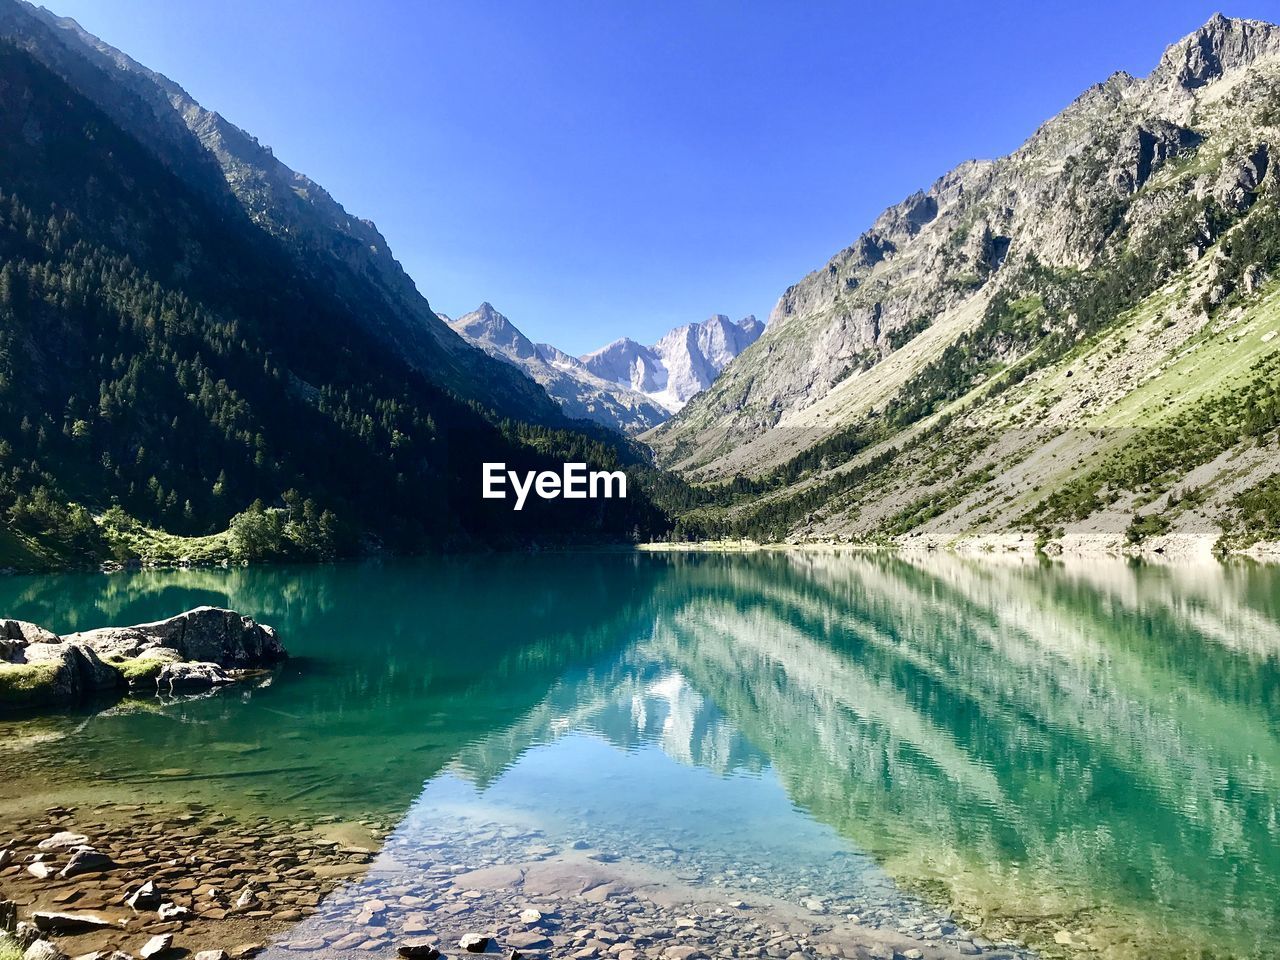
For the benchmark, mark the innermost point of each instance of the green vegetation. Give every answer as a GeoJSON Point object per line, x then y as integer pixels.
{"type": "Point", "coordinates": [897, 339]}
{"type": "Point", "coordinates": [1149, 525]}
{"type": "Point", "coordinates": [1153, 459]}
{"type": "Point", "coordinates": [1200, 405]}
{"type": "Point", "coordinates": [1257, 516]}
{"type": "Point", "coordinates": [27, 684]}
{"type": "Point", "coordinates": [127, 539]}
{"type": "Point", "coordinates": [138, 670]}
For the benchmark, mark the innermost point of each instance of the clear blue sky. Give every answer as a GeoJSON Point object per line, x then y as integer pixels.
{"type": "Point", "coordinates": [600, 168]}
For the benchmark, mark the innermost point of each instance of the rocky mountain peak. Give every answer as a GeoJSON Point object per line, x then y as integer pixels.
{"type": "Point", "coordinates": [628, 385]}
{"type": "Point", "coordinates": [487, 328]}
{"type": "Point", "coordinates": [1223, 44]}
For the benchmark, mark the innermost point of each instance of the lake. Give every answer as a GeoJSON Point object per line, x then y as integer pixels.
{"type": "Point", "coordinates": [1082, 757]}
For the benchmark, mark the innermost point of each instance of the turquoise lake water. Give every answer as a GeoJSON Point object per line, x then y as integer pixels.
{"type": "Point", "coordinates": [1093, 747]}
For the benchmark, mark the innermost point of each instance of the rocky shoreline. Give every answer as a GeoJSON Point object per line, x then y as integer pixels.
{"type": "Point", "coordinates": [1167, 549]}
{"type": "Point", "coordinates": [118, 878]}
{"type": "Point", "coordinates": [119, 881]}
{"type": "Point", "coordinates": [202, 648]}
{"type": "Point", "coordinates": [445, 879]}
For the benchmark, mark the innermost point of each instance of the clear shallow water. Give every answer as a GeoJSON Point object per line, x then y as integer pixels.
{"type": "Point", "coordinates": [1093, 748]}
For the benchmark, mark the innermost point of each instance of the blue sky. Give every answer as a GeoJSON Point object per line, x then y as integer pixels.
{"type": "Point", "coordinates": [600, 168]}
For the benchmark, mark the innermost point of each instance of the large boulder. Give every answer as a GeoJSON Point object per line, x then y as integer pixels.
{"type": "Point", "coordinates": [44, 674]}
{"type": "Point", "coordinates": [115, 643]}
{"type": "Point", "coordinates": [15, 635]}
{"type": "Point", "coordinates": [95, 676]}
{"type": "Point", "coordinates": [208, 634]}
{"type": "Point", "coordinates": [76, 670]}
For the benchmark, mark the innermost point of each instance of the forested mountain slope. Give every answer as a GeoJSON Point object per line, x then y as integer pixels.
{"type": "Point", "coordinates": [1077, 340]}
{"type": "Point", "coordinates": [345, 255]}
{"type": "Point", "coordinates": [164, 354]}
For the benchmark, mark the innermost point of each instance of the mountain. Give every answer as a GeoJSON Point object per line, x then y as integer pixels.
{"type": "Point", "coordinates": [1074, 343]}
{"type": "Point", "coordinates": [581, 394]}
{"type": "Point", "coordinates": [625, 385]}
{"type": "Point", "coordinates": [185, 371]}
{"type": "Point", "coordinates": [346, 254]}
{"type": "Point", "coordinates": [680, 365]}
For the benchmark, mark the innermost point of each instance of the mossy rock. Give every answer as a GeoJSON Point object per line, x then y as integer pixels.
{"type": "Point", "coordinates": [139, 671]}
{"type": "Point", "coordinates": [25, 685]}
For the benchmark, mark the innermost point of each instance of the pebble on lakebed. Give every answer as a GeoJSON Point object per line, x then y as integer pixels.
{"type": "Point", "coordinates": [168, 881]}
{"type": "Point", "coordinates": [198, 649]}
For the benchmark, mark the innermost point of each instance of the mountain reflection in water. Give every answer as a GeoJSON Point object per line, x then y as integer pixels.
{"type": "Point", "coordinates": [1099, 742]}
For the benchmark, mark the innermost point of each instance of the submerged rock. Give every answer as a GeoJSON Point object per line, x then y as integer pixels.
{"type": "Point", "coordinates": [85, 859]}
{"type": "Point", "coordinates": [191, 676]}
{"type": "Point", "coordinates": [49, 921]}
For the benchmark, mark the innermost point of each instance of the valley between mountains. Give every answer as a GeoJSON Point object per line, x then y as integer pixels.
{"type": "Point", "coordinates": [203, 356]}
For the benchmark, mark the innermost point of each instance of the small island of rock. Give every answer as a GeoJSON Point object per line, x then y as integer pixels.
{"type": "Point", "coordinates": [201, 648]}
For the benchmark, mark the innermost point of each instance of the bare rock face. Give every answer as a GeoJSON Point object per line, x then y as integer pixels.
{"type": "Point", "coordinates": [208, 634]}
{"type": "Point", "coordinates": [626, 385]}
{"type": "Point", "coordinates": [1144, 149]}
{"type": "Point", "coordinates": [1221, 45]}
{"type": "Point", "coordinates": [683, 363]}
{"type": "Point", "coordinates": [1240, 177]}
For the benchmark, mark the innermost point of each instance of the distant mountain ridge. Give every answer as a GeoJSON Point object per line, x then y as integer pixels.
{"type": "Point", "coordinates": [625, 385]}
{"type": "Point", "coordinates": [683, 363]}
